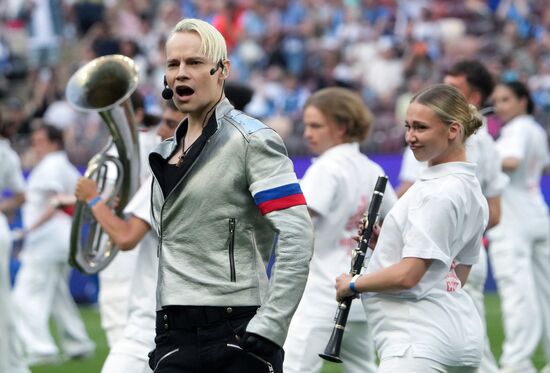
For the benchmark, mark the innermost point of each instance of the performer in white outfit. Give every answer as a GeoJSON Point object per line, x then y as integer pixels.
{"type": "Point", "coordinates": [115, 280]}
{"type": "Point", "coordinates": [41, 287]}
{"type": "Point", "coordinates": [422, 320]}
{"type": "Point", "coordinates": [11, 178]}
{"type": "Point", "coordinates": [129, 353]}
{"type": "Point", "coordinates": [337, 188]}
{"type": "Point", "coordinates": [475, 82]}
{"type": "Point", "coordinates": [520, 244]}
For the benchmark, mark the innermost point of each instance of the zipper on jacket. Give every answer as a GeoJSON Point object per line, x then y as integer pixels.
{"type": "Point", "coordinates": [232, 249]}
{"type": "Point", "coordinates": [165, 198]}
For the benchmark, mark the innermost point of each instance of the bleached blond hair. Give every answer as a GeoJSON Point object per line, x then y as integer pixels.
{"type": "Point", "coordinates": [213, 44]}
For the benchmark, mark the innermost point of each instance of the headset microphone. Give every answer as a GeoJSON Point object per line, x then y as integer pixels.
{"type": "Point", "coordinates": [214, 69]}
{"type": "Point", "coordinates": [167, 93]}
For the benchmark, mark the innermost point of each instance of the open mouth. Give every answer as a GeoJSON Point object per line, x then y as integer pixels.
{"type": "Point", "coordinates": [184, 91]}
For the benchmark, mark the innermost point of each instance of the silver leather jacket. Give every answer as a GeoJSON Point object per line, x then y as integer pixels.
{"type": "Point", "coordinates": [214, 242]}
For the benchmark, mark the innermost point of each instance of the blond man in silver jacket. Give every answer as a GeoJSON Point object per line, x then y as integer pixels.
{"type": "Point", "coordinates": [224, 198]}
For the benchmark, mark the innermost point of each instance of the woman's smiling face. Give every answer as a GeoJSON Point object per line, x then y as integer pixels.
{"type": "Point", "coordinates": [426, 134]}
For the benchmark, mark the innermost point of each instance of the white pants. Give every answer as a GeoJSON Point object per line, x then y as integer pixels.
{"type": "Point", "coordinates": [10, 352]}
{"type": "Point", "coordinates": [114, 293]}
{"type": "Point", "coordinates": [130, 353]}
{"type": "Point", "coordinates": [410, 364]}
{"type": "Point", "coordinates": [125, 363]}
{"type": "Point", "coordinates": [474, 287]}
{"type": "Point", "coordinates": [307, 338]}
{"type": "Point", "coordinates": [113, 311]}
{"type": "Point", "coordinates": [41, 289]}
{"type": "Point", "coordinates": [520, 266]}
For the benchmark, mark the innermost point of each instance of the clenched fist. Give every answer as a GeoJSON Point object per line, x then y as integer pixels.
{"type": "Point", "coordinates": [86, 189]}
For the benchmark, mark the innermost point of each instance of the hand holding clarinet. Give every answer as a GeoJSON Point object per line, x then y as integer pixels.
{"type": "Point", "coordinates": [343, 289]}
{"type": "Point", "coordinates": [345, 283]}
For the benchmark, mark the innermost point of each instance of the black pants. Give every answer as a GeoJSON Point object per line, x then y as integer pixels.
{"type": "Point", "coordinates": [205, 340]}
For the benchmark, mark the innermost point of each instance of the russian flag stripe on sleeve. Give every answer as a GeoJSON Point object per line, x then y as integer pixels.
{"type": "Point", "coordinates": [278, 192]}
{"type": "Point", "coordinates": [279, 198]}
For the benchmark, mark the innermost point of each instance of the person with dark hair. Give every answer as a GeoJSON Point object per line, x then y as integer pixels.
{"type": "Point", "coordinates": [224, 198]}
{"type": "Point", "coordinates": [422, 319]}
{"type": "Point", "coordinates": [129, 352]}
{"type": "Point", "coordinates": [520, 244]}
{"type": "Point", "coordinates": [171, 118]}
{"type": "Point", "coordinates": [473, 79]}
{"type": "Point", "coordinates": [115, 280]}
{"type": "Point", "coordinates": [476, 83]}
{"type": "Point", "coordinates": [335, 121]}
{"type": "Point", "coordinates": [11, 179]}
{"type": "Point", "coordinates": [41, 287]}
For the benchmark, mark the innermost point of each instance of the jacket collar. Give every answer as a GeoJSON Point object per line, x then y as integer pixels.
{"type": "Point", "coordinates": [222, 109]}
{"type": "Point", "coordinates": [168, 146]}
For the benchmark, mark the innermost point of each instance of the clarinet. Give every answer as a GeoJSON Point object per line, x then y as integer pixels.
{"type": "Point", "coordinates": [332, 350]}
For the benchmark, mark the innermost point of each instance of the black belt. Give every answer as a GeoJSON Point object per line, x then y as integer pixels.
{"type": "Point", "coordinates": [184, 317]}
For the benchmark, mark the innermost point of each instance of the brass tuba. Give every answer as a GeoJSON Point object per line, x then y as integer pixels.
{"type": "Point", "coordinates": [104, 85]}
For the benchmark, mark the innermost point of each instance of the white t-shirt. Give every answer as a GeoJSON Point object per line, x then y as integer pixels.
{"type": "Point", "coordinates": [142, 295]}
{"type": "Point", "coordinates": [54, 174]}
{"type": "Point", "coordinates": [338, 187]}
{"type": "Point", "coordinates": [441, 217]}
{"type": "Point", "coordinates": [11, 176]}
{"type": "Point", "coordinates": [140, 204]}
{"type": "Point", "coordinates": [524, 139]}
{"type": "Point", "coordinates": [123, 265]}
{"type": "Point", "coordinates": [481, 149]}
{"type": "Point", "coordinates": [148, 139]}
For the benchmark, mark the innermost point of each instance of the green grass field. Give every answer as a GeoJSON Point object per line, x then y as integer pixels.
{"type": "Point", "coordinates": [93, 365]}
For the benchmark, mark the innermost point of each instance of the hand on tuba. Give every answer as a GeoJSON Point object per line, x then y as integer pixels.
{"type": "Point", "coordinates": [86, 189]}
{"type": "Point", "coordinates": [104, 86]}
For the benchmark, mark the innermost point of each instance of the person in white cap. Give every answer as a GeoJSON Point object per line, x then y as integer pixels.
{"type": "Point", "coordinates": [129, 352]}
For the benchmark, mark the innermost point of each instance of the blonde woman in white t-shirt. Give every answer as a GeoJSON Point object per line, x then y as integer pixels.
{"type": "Point", "coordinates": [520, 244]}
{"type": "Point", "coordinates": [422, 319]}
{"type": "Point", "coordinates": [475, 82]}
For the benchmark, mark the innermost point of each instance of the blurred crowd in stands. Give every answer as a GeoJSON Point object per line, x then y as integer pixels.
{"type": "Point", "coordinates": [282, 49]}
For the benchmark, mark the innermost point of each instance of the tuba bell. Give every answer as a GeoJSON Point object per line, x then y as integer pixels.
{"type": "Point", "coordinates": [104, 85]}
